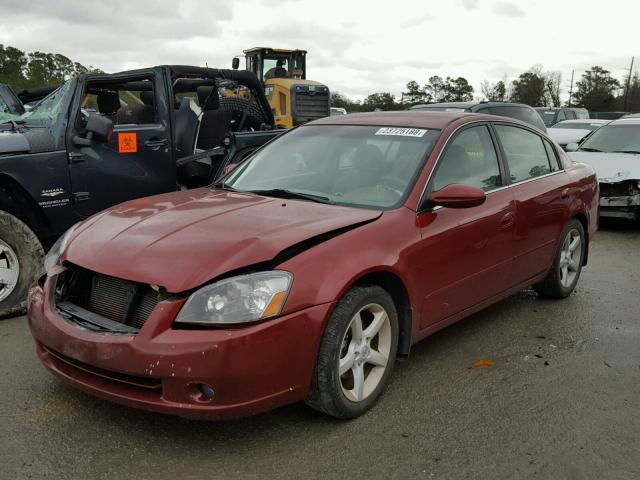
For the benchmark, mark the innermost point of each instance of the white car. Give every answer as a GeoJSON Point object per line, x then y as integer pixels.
{"type": "Point", "coordinates": [338, 111]}
{"type": "Point", "coordinates": [614, 152]}
{"type": "Point", "coordinates": [573, 131]}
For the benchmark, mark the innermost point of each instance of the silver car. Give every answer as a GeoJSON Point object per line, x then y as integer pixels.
{"type": "Point", "coordinates": [614, 152]}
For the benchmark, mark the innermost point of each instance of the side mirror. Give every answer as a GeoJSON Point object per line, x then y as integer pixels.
{"type": "Point", "coordinates": [235, 63]}
{"type": "Point", "coordinates": [457, 195]}
{"type": "Point", "coordinates": [98, 128]}
{"type": "Point", "coordinates": [571, 147]}
{"type": "Point", "coordinates": [229, 168]}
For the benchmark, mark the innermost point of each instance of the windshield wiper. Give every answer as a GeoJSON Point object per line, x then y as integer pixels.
{"type": "Point", "coordinates": [587, 149]}
{"type": "Point", "coordinates": [626, 151]}
{"type": "Point", "coordinates": [14, 123]}
{"type": "Point", "coordinates": [284, 193]}
{"type": "Point", "coordinates": [224, 186]}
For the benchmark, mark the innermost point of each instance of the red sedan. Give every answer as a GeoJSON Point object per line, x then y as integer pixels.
{"type": "Point", "coordinates": [313, 265]}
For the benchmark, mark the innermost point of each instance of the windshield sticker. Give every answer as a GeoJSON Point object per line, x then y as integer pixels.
{"type": "Point", "coordinates": [127, 142]}
{"type": "Point", "coordinates": [401, 132]}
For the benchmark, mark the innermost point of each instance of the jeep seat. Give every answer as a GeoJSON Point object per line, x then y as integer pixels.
{"type": "Point", "coordinates": [215, 123]}
{"type": "Point", "coordinates": [140, 113]}
{"type": "Point", "coordinates": [108, 104]}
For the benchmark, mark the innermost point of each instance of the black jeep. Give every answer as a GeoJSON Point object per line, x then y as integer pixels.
{"type": "Point", "coordinates": [101, 139]}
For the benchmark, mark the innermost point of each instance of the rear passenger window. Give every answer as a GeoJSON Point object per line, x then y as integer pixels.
{"type": "Point", "coordinates": [525, 151]}
{"type": "Point", "coordinates": [553, 156]}
{"type": "Point", "coordinates": [470, 159]}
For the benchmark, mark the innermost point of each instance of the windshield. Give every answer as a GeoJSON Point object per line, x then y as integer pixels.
{"type": "Point", "coordinates": [578, 125]}
{"type": "Point", "coordinates": [45, 112]}
{"type": "Point", "coordinates": [548, 116]}
{"type": "Point", "coordinates": [614, 138]}
{"type": "Point", "coordinates": [360, 166]}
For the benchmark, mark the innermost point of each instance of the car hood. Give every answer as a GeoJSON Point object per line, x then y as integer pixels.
{"type": "Point", "coordinates": [564, 136]}
{"type": "Point", "coordinates": [182, 240]}
{"type": "Point", "coordinates": [12, 142]}
{"type": "Point", "coordinates": [610, 167]}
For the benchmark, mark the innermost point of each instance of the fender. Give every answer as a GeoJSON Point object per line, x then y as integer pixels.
{"type": "Point", "coordinates": [15, 200]}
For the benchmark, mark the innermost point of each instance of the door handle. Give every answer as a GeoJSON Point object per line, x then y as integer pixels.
{"type": "Point", "coordinates": [155, 144]}
{"type": "Point", "coordinates": [507, 220]}
{"type": "Point", "coordinates": [75, 157]}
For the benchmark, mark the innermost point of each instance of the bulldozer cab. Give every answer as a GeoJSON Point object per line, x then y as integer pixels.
{"type": "Point", "coordinates": [270, 63]}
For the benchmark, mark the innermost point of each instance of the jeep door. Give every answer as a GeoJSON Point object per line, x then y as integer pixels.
{"type": "Point", "coordinates": [138, 159]}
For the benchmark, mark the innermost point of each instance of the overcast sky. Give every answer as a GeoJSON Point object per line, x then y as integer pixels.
{"type": "Point", "coordinates": [355, 47]}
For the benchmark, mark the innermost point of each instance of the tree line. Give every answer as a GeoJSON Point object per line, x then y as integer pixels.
{"type": "Point", "coordinates": [597, 90]}
{"type": "Point", "coordinates": [36, 69]}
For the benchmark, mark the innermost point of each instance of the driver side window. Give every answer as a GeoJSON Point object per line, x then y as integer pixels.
{"type": "Point", "coordinates": [470, 159]}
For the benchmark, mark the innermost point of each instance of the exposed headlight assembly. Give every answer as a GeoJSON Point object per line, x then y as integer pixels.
{"type": "Point", "coordinates": [241, 299]}
{"type": "Point", "coordinates": [53, 255]}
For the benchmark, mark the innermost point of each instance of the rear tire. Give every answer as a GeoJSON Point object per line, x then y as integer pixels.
{"type": "Point", "coordinates": [255, 118]}
{"type": "Point", "coordinates": [357, 353]}
{"type": "Point", "coordinates": [567, 266]}
{"type": "Point", "coordinates": [21, 257]}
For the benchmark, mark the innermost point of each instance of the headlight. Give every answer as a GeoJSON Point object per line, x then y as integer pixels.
{"type": "Point", "coordinates": [52, 257]}
{"type": "Point", "coordinates": [241, 299]}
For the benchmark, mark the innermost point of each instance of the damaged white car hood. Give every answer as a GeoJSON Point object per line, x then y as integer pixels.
{"type": "Point", "coordinates": [611, 167]}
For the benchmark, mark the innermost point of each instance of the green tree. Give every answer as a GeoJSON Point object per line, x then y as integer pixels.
{"type": "Point", "coordinates": [13, 63]}
{"type": "Point", "coordinates": [494, 92]}
{"type": "Point", "coordinates": [552, 81]}
{"type": "Point", "coordinates": [414, 94]}
{"type": "Point", "coordinates": [436, 89]}
{"type": "Point", "coordinates": [379, 101]}
{"type": "Point", "coordinates": [458, 90]}
{"type": "Point", "coordinates": [341, 101]}
{"type": "Point", "coordinates": [630, 100]}
{"type": "Point", "coordinates": [596, 90]}
{"type": "Point", "coordinates": [530, 88]}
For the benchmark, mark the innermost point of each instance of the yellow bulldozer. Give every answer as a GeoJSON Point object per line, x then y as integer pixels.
{"type": "Point", "coordinates": [293, 99]}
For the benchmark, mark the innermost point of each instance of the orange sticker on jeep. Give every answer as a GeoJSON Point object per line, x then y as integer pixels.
{"type": "Point", "coordinates": [127, 142]}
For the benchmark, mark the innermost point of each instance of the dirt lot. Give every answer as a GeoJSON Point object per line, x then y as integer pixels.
{"type": "Point", "coordinates": [561, 400]}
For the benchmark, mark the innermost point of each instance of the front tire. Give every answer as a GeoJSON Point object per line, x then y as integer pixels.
{"type": "Point", "coordinates": [21, 256]}
{"type": "Point", "coordinates": [357, 353]}
{"type": "Point", "coordinates": [567, 266]}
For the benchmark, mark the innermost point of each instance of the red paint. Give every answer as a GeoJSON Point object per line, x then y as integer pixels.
{"type": "Point", "coordinates": [458, 196]}
{"type": "Point", "coordinates": [451, 261]}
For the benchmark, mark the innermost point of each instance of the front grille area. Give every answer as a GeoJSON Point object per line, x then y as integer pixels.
{"type": "Point", "coordinates": [622, 189]}
{"type": "Point", "coordinates": [311, 106]}
{"type": "Point", "coordinates": [122, 301]}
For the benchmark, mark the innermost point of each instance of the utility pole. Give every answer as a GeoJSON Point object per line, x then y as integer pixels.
{"type": "Point", "coordinates": [571, 88]}
{"type": "Point", "coordinates": [626, 91]}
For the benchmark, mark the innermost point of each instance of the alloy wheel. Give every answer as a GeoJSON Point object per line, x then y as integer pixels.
{"type": "Point", "coordinates": [365, 351]}
{"type": "Point", "coordinates": [9, 270]}
{"type": "Point", "coordinates": [570, 258]}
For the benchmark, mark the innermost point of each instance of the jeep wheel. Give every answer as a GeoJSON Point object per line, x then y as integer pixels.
{"type": "Point", "coordinates": [255, 117]}
{"type": "Point", "coordinates": [21, 257]}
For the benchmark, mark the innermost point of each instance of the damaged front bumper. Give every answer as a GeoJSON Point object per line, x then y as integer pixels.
{"type": "Point", "coordinates": [620, 200]}
{"type": "Point", "coordinates": [213, 374]}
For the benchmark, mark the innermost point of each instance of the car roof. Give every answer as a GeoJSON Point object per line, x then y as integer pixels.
{"type": "Point", "coordinates": [626, 121]}
{"type": "Point", "coordinates": [405, 118]}
{"type": "Point", "coordinates": [600, 121]}
{"type": "Point", "coordinates": [467, 105]}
